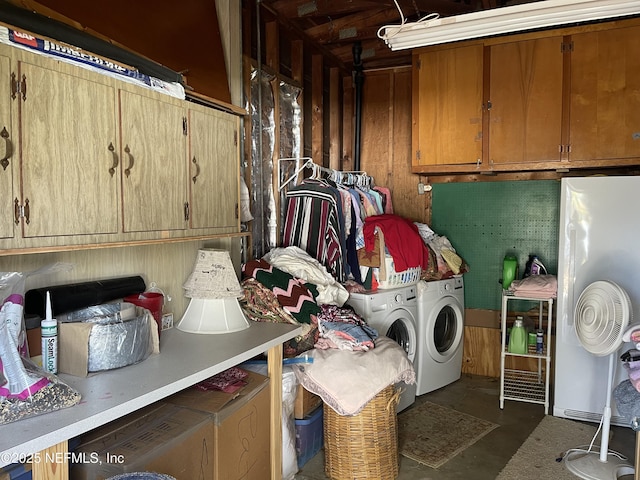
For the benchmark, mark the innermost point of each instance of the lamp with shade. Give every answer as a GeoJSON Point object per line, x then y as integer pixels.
{"type": "Point", "coordinates": [214, 291]}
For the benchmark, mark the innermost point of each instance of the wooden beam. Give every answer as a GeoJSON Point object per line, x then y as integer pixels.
{"type": "Point", "coordinates": [317, 113]}
{"type": "Point", "coordinates": [347, 124]}
{"type": "Point", "coordinates": [271, 34]}
{"type": "Point", "coordinates": [335, 119]}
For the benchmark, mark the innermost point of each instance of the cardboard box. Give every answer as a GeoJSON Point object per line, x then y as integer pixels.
{"type": "Point", "coordinates": [162, 438]}
{"type": "Point", "coordinates": [241, 427]}
{"type": "Point", "coordinates": [306, 402]}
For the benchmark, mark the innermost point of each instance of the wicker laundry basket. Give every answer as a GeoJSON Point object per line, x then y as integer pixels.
{"type": "Point", "coordinates": [363, 446]}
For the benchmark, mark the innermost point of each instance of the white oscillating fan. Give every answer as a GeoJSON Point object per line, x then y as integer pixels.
{"type": "Point", "coordinates": [602, 315]}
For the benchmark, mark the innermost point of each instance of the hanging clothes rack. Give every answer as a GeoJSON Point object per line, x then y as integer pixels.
{"type": "Point", "coordinates": [350, 177]}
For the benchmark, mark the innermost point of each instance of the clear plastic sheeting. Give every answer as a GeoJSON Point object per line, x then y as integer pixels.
{"type": "Point", "coordinates": [290, 136]}
{"type": "Point", "coordinates": [262, 109]}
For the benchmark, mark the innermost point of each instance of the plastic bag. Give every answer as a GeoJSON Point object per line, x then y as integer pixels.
{"type": "Point", "coordinates": [25, 389]}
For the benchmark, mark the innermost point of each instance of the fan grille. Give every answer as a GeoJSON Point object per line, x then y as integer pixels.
{"type": "Point", "coordinates": [601, 317]}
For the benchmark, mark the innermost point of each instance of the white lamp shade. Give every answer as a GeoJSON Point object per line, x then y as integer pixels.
{"type": "Point", "coordinates": [213, 316]}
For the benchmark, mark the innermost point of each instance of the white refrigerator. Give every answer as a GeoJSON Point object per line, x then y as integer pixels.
{"type": "Point", "coordinates": [599, 240]}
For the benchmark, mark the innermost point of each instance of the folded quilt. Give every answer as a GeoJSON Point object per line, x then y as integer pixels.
{"type": "Point", "coordinates": [296, 297]}
{"type": "Point", "coordinates": [347, 380]}
{"type": "Point", "coordinates": [300, 264]}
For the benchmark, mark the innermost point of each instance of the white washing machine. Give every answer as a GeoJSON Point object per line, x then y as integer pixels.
{"type": "Point", "coordinates": [393, 313]}
{"type": "Point", "coordinates": [440, 333]}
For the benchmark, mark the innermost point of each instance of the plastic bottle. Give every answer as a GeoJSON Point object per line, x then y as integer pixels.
{"type": "Point", "coordinates": [518, 337]}
{"type": "Point", "coordinates": [539, 341]}
{"type": "Point", "coordinates": [49, 329]}
{"type": "Point", "coordinates": [509, 270]}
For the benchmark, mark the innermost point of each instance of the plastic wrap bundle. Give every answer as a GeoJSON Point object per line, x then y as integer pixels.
{"type": "Point", "coordinates": [25, 389]}
{"type": "Point", "coordinates": [118, 334]}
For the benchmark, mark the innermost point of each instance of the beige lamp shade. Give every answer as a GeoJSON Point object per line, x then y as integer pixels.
{"type": "Point", "coordinates": [213, 276]}
{"type": "Point", "coordinates": [214, 290]}
{"type": "Point", "coordinates": [213, 315]}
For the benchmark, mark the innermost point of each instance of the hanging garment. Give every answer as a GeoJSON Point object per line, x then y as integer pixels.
{"type": "Point", "coordinates": [315, 223]}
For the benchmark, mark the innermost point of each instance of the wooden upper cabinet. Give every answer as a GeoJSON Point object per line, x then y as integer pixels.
{"type": "Point", "coordinates": [154, 156]}
{"type": "Point", "coordinates": [7, 149]}
{"type": "Point", "coordinates": [605, 96]}
{"type": "Point", "coordinates": [525, 102]}
{"type": "Point", "coordinates": [447, 107]}
{"type": "Point", "coordinates": [68, 137]}
{"type": "Point", "coordinates": [214, 158]}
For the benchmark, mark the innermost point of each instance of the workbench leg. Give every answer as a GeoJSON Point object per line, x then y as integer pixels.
{"type": "Point", "coordinates": [274, 368]}
{"type": "Point", "coordinates": [52, 463]}
{"type": "Point", "coordinates": [636, 463]}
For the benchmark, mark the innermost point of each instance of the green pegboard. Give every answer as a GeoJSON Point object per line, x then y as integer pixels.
{"type": "Point", "coordinates": [485, 221]}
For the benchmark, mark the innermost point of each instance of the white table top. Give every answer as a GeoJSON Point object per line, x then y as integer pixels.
{"type": "Point", "coordinates": [184, 359]}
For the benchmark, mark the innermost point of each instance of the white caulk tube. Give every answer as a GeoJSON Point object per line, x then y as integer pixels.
{"type": "Point", "coordinates": [49, 328]}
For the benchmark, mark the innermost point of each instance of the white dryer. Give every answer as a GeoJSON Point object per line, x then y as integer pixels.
{"type": "Point", "coordinates": [393, 313]}
{"type": "Point", "coordinates": [440, 333]}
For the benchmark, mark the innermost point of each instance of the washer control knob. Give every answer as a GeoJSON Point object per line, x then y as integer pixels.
{"type": "Point", "coordinates": [447, 286]}
{"type": "Point", "coordinates": [398, 298]}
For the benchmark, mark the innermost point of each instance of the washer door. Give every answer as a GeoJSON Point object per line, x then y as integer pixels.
{"type": "Point", "coordinates": [399, 325]}
{"type": "Point", "coordinates": [445, 326]}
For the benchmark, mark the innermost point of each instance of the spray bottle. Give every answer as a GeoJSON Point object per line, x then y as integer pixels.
{"type": "Point", "coordinates": [49, 328]}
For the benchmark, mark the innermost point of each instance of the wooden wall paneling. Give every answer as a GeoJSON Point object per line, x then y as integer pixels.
{"type": "Point", "coordinates": [377, 127]}
{"type": "Point", "coordinates": [230, 20]}
{"type": "Point", "coordinates": [317, 109]}
{"type": "Point", "coordinates": [335, 119]}
{"type": "Point", "coordinates": [347, 123]}
{"type": "Point", "coordinates": [481, 351]}
{"type": "Point", "coordinates": [406, 200]}
{"type": "Point", "coordinates": [386, 140]}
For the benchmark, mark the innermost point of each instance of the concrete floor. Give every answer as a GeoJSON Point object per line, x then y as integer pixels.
{"type": "Point", "coordinates": [479, 396]}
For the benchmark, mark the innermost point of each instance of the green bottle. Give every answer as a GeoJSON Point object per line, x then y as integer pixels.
{"type": "Point", "coordinates": [509, 270]}
{"type": "Point", "coordinates": [518, 337]}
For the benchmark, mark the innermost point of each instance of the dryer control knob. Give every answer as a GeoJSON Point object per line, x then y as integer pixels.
{"type": "Point", "coordinates": [398, 298]}
{"type": "Point", "coordinates": [447, 286]}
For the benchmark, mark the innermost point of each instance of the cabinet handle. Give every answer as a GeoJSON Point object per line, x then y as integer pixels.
{"type": "Point", "coordinates": [127, 172]}
{"type": "Point", "coordinates": [8, 151]}
{"type": "Point", "coordinates": [112, 149]}
{"type": "Point", "coordinates": [14, 86]}
{"type": "Point", "coordinates": [23, 88]}
{"type": "Point", "coordinates": [195, 177]}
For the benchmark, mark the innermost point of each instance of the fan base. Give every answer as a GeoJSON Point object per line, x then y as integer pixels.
{"type": "Point", "coordinates": [588, 466]}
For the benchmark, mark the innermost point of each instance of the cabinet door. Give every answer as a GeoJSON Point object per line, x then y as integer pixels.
{"type": "Point", "coordinates": [447, 108]}
{"type": "Point", "coordinates": [525, 112]}
{"type": "Point", "coordinates": [7, 158]}
{"type": "Point", "coordinates": [214, 169]}
{"type": "Point", "coordinates": [154, 156]}
{"type": "Point", "coordinates": [605, 95]}
{"type": "Point", "coordinates": [68, 150]}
